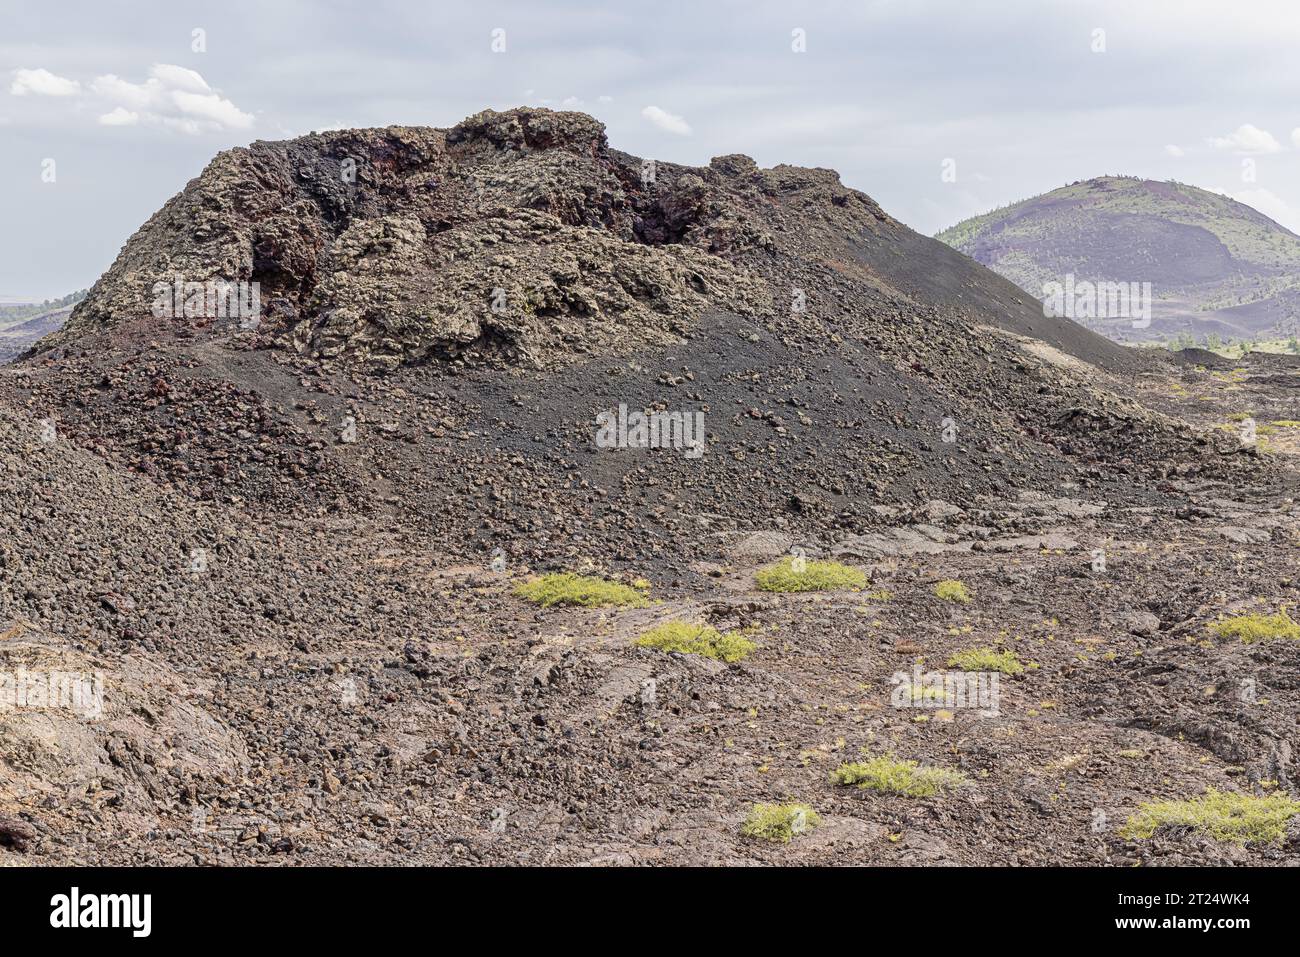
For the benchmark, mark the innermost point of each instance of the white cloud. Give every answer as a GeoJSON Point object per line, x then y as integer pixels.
{"type": "Point", "coordinates": [189, 127]}
{"type": "Point", "coordinates": [43, 83]}
{"type": "Point", "coordinates": [211, 107]}
{"type": "Point", "coordinates": [179, 78]}
{"type": "Point", "coordinates": [120, 117]}
{"type": "Point", "coordinates": [666, 121]}
{"type": "Point", "coordinates": [1174, 150]}
{"type": "Point", "coordinates": [1247, 139]}
{"type": "Point", "coordinates": [1295, 137]}
{"type": "Point", "coordinates": [112, 87]}
{"type": "Point", "coordinates": [174, 97]}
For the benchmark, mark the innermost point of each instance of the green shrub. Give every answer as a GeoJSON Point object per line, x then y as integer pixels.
{"type": "Point", "coordinates": [1254, 627]}
{"type": "Point", "coordinates": [1222, 815]}
{"type": "Point", "coordinates": [566, 588]}
{"type": "Point", "coordinates": [688, 639]}
{"type": "Point", "coordinates": [888, 774]}
{"type": "Point", "coordinates": [815, 576]}
{"type": "Point", "coordinates": [779, 822]}
{"type": "Point", "coordinates": [987, 659]}
{"type": "Point", "coordinates": [952, 590]}
{"type": "Point", "coordinates": [916, 694]}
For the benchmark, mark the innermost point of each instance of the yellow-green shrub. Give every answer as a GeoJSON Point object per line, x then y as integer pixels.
{"type": "Point", "coordinates": [1222, 815]}
{"type": "Point", "coordinates": [585, 591]}
{"type": "Point", "coordinates": [688, 639]}
{"type": "Point", "coordinates": [814, 576]}
{"type": "Point", "coordinates": [886, 773]}
{"type": "Point", "coordinates": [987, 659]}
{"type": "Point", "coordinates": [779, 822]}
{"type": "Point", "coordinates": [952, 590]}
{"type": "Point", "coordinates": [1255, 627]}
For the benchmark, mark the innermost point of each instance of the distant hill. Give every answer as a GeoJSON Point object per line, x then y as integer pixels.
{"type": "Point", "coordinates": [1219, 270]}
{"type": "Point", "coordinates": [21, 324]}
{"type": "Point", "coordinates": [14, 311]}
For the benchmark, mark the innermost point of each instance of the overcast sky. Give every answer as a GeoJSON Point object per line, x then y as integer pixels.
{"type": "Point", "coordinates": [1023, 95]}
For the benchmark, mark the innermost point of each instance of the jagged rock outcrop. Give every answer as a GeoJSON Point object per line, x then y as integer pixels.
{"type": "Point", "coordinates": [518, 235]}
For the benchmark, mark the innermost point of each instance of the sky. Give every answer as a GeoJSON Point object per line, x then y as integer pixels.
{"type": "Point", "coordinates": [938, 109]}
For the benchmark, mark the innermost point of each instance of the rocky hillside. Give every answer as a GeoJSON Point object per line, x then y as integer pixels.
{"type": "Point", "coordinates": [427, 285]}
{"type": "Point", "coordinates": [1216, 266]}
{"type": "Point", "coordinates": [289, 546]}
{"type": "Point", "coordinates": [522, 236]}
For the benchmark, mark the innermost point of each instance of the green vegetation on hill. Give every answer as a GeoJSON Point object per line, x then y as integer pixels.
{"type": "Point", "coordinates": [1249, 235]}
{"type": "Point", "coordinates": [799, 574]}
{"type": "Point", "coordinates": [892, 776]}
{"type": "Point", "coordinates": [1224, 816]}
{"type": "Point", "coordinates": [690, 639]}
{"type": "Point", "coordinates": [582, 591]}
{"type": "Point", "coordinates": [1214, 264]}
{"type": "Point", "coordinates": [1232, 348]}
{"type": "Point", "coordinates": [12, 314]}
{"type": "Point", "coordinates": [779, 823]}
{"type": "Point", "coordinates": [1255, 627]}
